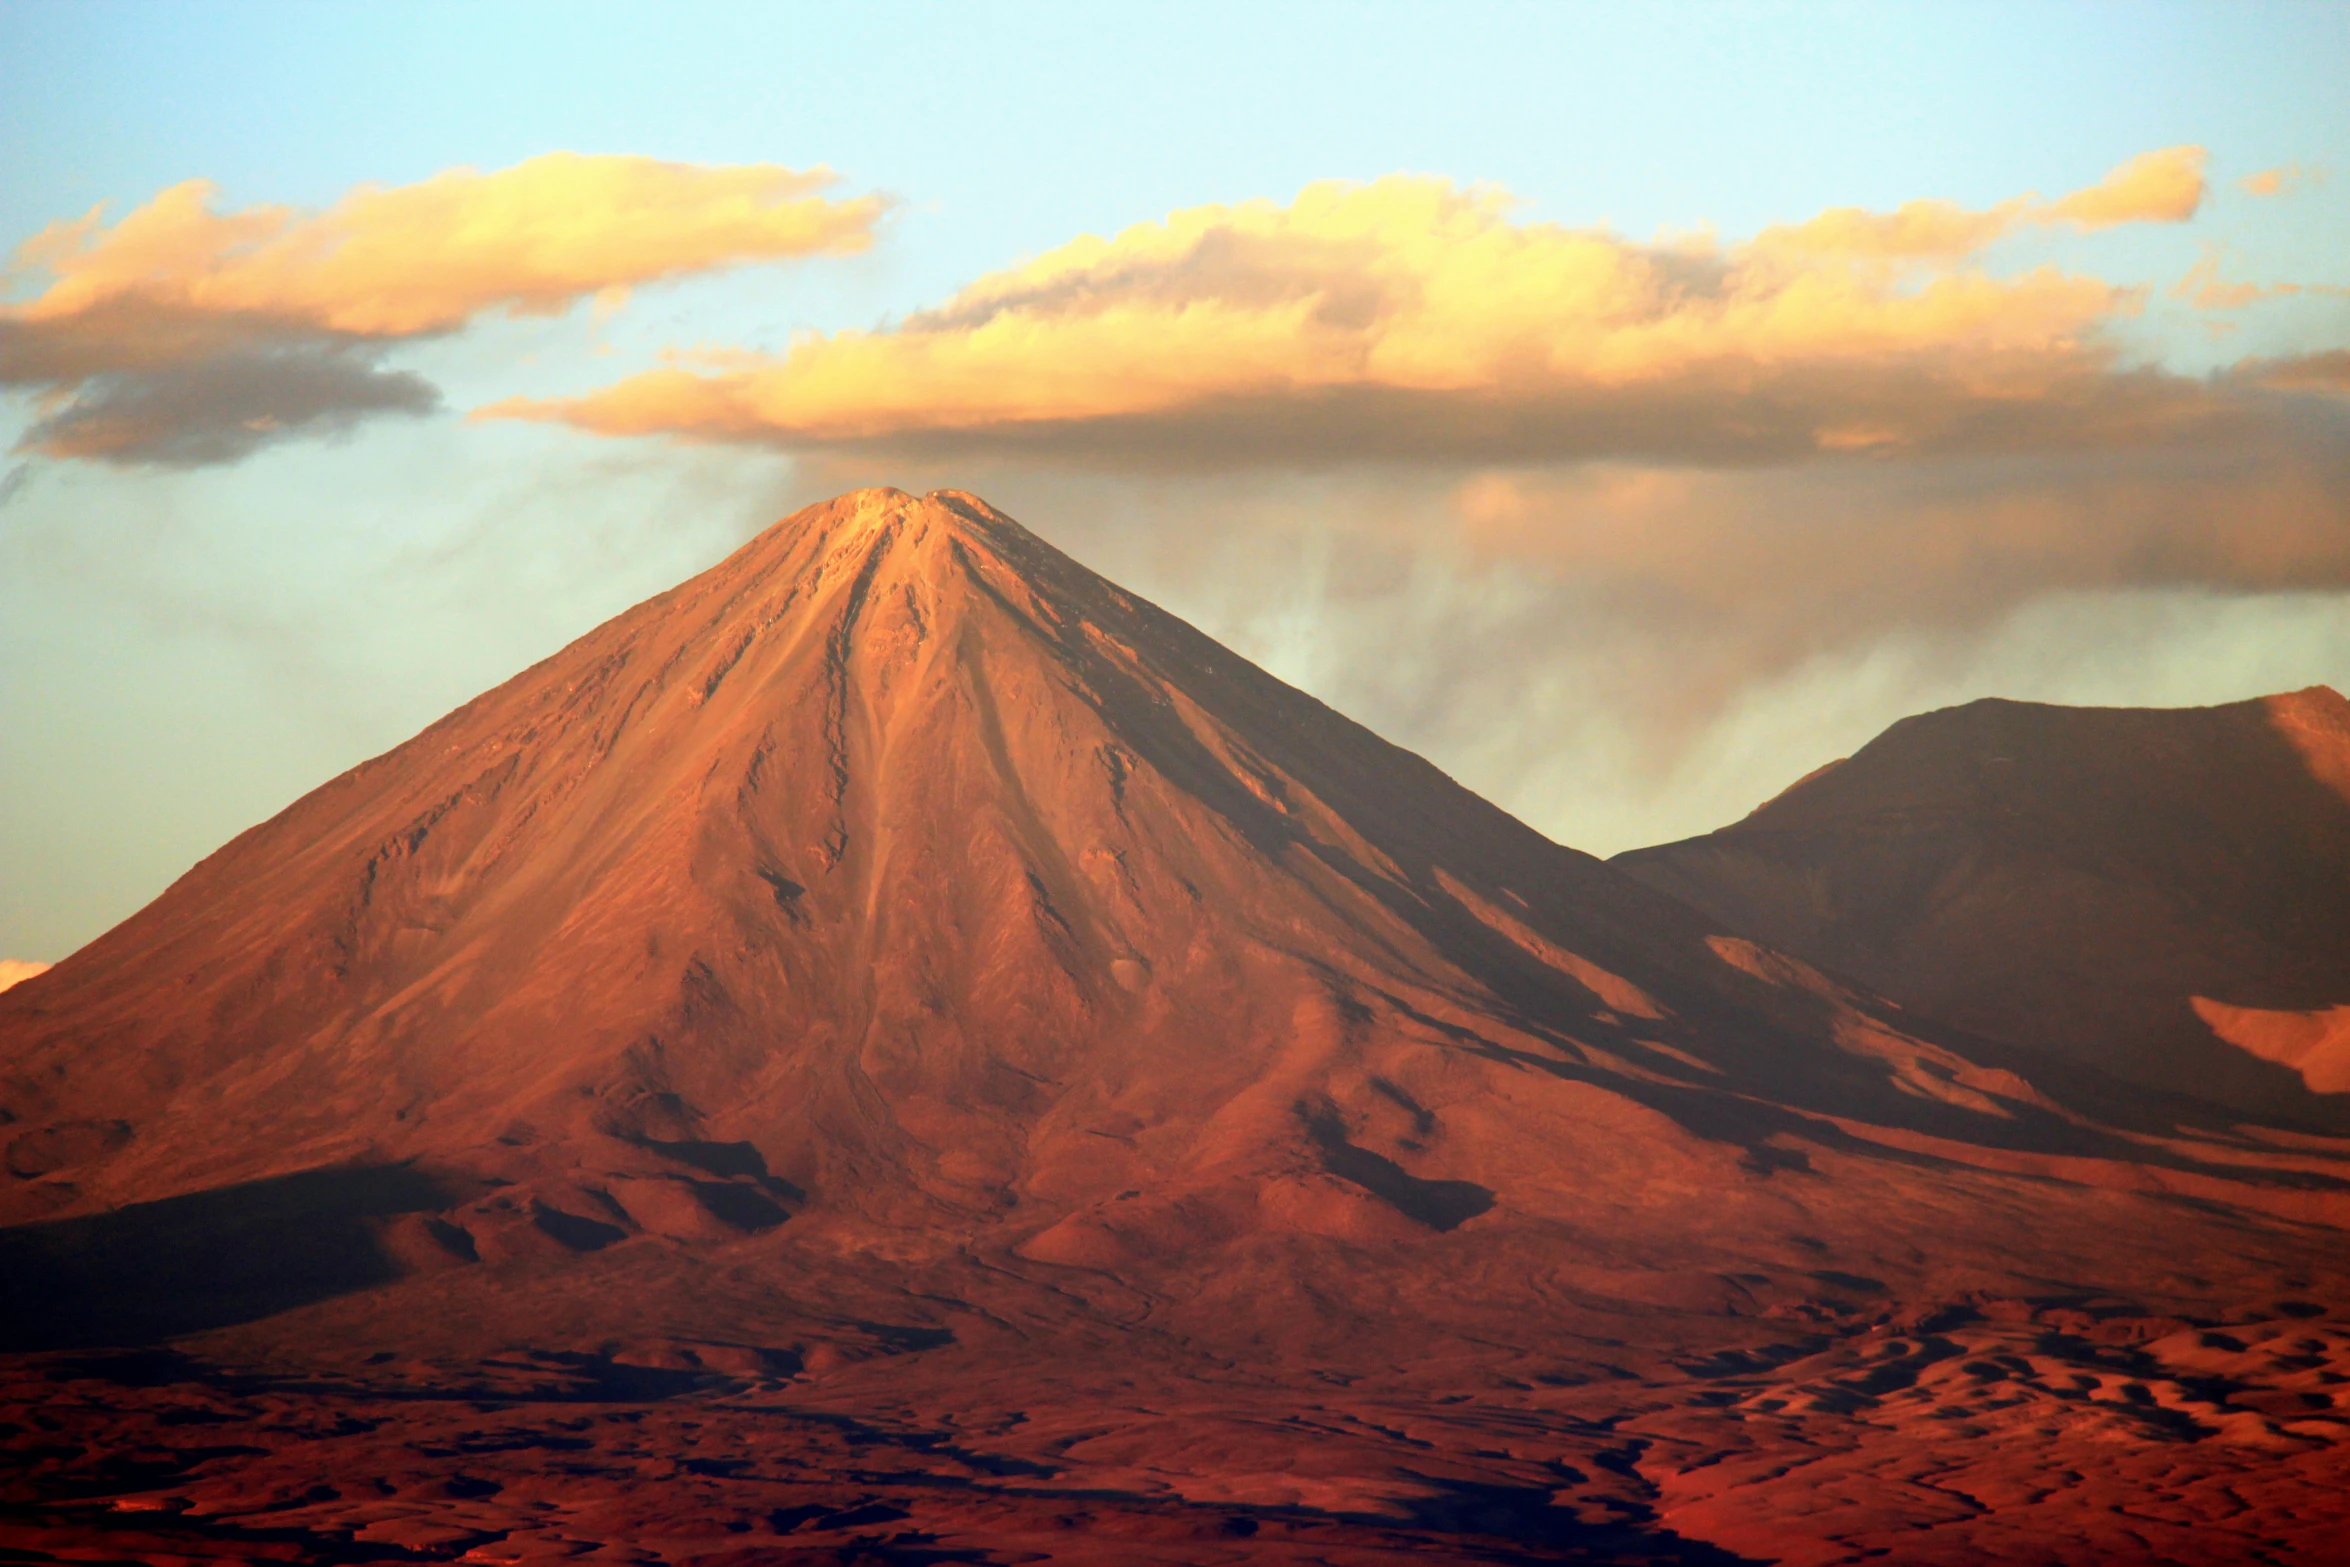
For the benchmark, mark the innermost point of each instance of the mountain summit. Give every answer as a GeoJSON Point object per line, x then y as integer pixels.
{"type": "Point", "coordinates": [971, 1050]}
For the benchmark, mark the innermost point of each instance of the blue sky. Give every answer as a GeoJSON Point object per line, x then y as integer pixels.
{"type": "Point", "coordinates": [183, 650]}
{"type": "Point", "coordinates": [1023, 124]}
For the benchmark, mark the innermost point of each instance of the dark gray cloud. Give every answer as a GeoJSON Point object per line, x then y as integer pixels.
{"type": "Point", "coordinates": [135, 382]}
{"type": "Point", "coordinates": [227, 405]}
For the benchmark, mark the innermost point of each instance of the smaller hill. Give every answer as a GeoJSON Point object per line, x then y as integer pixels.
{"type": "Point", "coordinates": [2163, 894]}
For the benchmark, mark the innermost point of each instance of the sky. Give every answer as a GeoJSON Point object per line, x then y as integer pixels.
{"type": "Point", "coordinates": [1628, 408]}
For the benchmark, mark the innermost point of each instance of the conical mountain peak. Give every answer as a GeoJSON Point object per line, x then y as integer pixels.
{"type": "Point", "coordinates": [960, 892]}
{"type": "Point", "coordinates": [876, 565]}
{"type": "Point", "coordinates": [910, 535]}
{"type": "Point", "coordinates": [913, 530]}
{"type": "Point", "coordinates": [896, 771]}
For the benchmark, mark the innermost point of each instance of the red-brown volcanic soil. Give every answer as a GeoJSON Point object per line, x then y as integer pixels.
{"type": "Point", "coordinates": [897, 1051]}
{"type": "Point", "coordinates": [2162, 894]}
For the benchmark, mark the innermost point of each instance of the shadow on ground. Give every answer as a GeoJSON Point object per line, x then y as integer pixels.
{"type": "Point", "coordinates": [155, 1271]}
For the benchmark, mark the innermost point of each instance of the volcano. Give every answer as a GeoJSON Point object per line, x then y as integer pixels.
{"type": "Point", "coordinates": [899, 1050]}
{"type": "Point", "coordinates": [2163, 894]}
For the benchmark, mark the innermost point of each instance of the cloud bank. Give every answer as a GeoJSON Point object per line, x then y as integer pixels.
{"type": "Point", "coordinates": [1415, 319]}
{"type": "Point", "coordinates": [183, 335]}
{"type": "Point", "coordinates": [15, 971]}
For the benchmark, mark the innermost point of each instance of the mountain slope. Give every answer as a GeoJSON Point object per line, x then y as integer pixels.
{"type": "Point", "coordinates": [897, 1028]}
{"type": "Point", "coordinates": [2163, 894]}
{"type": "Point", "coordinates": [944, 874]}
{"type": "Point", "coordinates": [873, 838]}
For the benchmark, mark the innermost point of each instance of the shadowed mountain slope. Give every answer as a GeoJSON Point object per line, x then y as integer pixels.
{"type": "Point", "coordinates": [989, 1051]}
{"type": "Point", "coordinates": [2162, 894]}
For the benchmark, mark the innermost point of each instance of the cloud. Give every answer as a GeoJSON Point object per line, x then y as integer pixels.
{"type": "Point", "coordinates": [2281, 179]}
{"type": "Point", "coordinates": [1935, 229]}
{"type": "Point", "coordinates": [1667, 599]}
{"type": "Point", "coordinates": [2203, 288]}
{"type": "Point", "coordinates": [1667, 591]}
{"type": "Point", "coordinates": [403, 260]}
{"type": "Point", "coordinates": [224, 407]}
{"type": "Point", "coordinates": [2320, 372]}
{"type": "Point", "coordinates": [1414, 319]}
{"type": "Point", "coordinates": [184, 334]}
{"type": "Point", "coordinates": [1778, 566]}
{"type": "Point", "coordinates": [2154, 187]}
{"type": "Point", "coordinates": [15, 971]}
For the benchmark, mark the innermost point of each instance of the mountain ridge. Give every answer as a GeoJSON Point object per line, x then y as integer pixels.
{"type": "Point", "coordinates": [2097, 882]}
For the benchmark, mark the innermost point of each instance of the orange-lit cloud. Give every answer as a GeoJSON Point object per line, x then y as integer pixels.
{"type": "Point", "coordinates": [2203, 287]}
{"type": "Point", "coordinates": [1939, 230]}
{"type": "Point", "coordinates": [402, 260]}
{"type": "Point", "coordinates": [2279, 180]}
{"type": "Point", "coordinates": [1411, 317]}
{"type": "Point", "coordinates": [2154, 187]}
{"type": "Point", "coordinates": [183, 333]}
{"type": "Point", "coordinates": [15, 971]}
